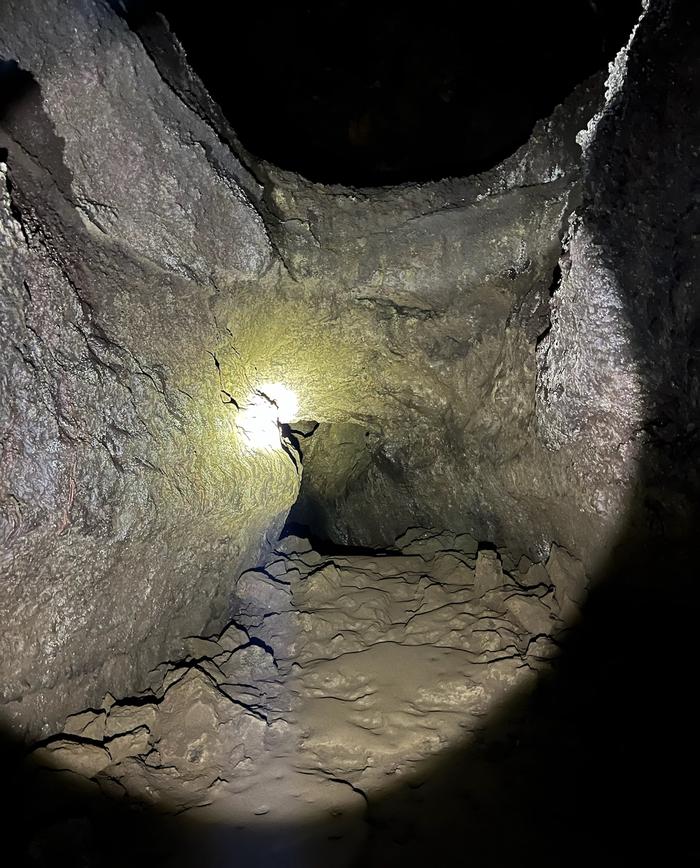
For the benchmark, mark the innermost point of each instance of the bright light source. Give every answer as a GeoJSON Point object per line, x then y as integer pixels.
{"type": "Point", "coordinates": [268, 407]}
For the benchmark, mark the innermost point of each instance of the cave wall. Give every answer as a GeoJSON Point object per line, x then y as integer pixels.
{"type": "Point", "coordinates": [637, 248]}
{"type": "Point", "coordinates": [473, 338]}
{"type": "Point", "coordinates": [534, 393]}
{"type": "Point", "coordinates": [127, 503]}
{"type": "Point", "coordinates": [441, 294]}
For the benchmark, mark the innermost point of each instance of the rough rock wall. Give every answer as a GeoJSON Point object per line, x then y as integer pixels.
{"type": "Point", "coordinates": [441, 294]}
{"type": "Point", "coordinates": [127, 503]}
{"type": "Point", "coordinates": [148, 279]}
{"type": "Point", "coordinates": [146, 170]}
{"type": "Point", "coordinates": [630, 389]}
{"type": "Point", "coordinates": [527, 396]}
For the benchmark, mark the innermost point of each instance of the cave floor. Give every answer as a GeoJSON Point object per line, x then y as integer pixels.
{"type": "Point", "coordinates": [306, 732]}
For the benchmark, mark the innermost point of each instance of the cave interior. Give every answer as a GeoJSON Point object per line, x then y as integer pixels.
{"type": "Point", "coordinates": [350, 387]}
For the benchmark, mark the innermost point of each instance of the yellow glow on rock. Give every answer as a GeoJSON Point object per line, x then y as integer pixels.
{"type": "Point", "coordinates": [267, 407]}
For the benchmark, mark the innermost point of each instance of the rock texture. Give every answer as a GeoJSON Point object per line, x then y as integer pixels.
{"type": "Point", "coordinates": [426, 304]}
{"type": "Point", "coordinates": [619, 369]}
{"type": "Point", "coordinates": [481, 355]}
{"type": "Point", "coordinates": [340, 679]}
{"type": "Point", "coordinates": [145, 170]}
{"type": "Point", "coordinates": [530, 391]}
{"type": "Point", "coordinates": [127, 503]}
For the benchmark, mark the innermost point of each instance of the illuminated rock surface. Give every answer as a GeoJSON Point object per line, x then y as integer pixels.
{"type": "Point", "coordinates": [142, 470]}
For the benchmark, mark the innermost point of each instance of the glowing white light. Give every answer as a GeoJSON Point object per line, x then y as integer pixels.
{"type": "Point", "coordinates": [268, 407]}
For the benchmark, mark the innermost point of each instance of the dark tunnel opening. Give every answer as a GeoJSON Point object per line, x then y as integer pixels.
{"type": "Point", "coordinates": [344, 465]}
{"type": "Point", "coordinates": [365, 93]}
{"type": "Point", "coordinates": [16, 85]}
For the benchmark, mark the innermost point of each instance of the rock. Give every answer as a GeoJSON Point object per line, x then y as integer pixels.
{"type": "Point", "coordinates": [80, 757]}
{"type": "Point", "coordinates": [207, 227]}
{"type": "Point", "coordinates": [136, 402]}
{"type": "Point", "coordinates": [196, 648]}
{"type": "Point", "coordinates": [427, 543]}
{"type": "Point", "coordinates": [109, 787]}
{"type": "Point", "coordinates": [570, 582]}
{"type": "Point", "coordinates": [524, 565]}
{"type": "Point", "coordinates": [89, 724]}
{"type": "Point", "coordinates": [214, 670]}
{"type": "Point", "coordinates": [198, 726]}
{"type": "Point", "coordinates": [278, 569]}
{"type": "Point", "coordinates": [452, 570]}
{"type": "Point", "coordinates": [133, 743]}
{"type": "Point", "coordinates": [131, 777]}
{"type": "Point", "coordinates": [249, 664]}
{"type": "Point", "coordinates": [257, 595]}
{"type": "Point", "coordinates": [107, 701]}
{"type": "Point", "coordinates": [293, 545]}
{"type": "Point", "coordinates": [478, 355]}
{"type": "Point", "coordinates": [465, 542]}
{"type": "Point", "coordinates": [128, 718]}
{"type": "Point", "coordinates": [172, 676]}
{"type": "Point", "coordinates": [507, 562]}
{"type": "Point", "coordinates": [436, 367]}
{"type": "Point", "coordinates": [322, 586]}
{"type": "Point", "coordinates": [540, 652]}
{"type": "Point", "coordinates": [532, 614]}
{"type": "Point", "coordinates": [232, 637]}
{"type": "Point", "coordinates": [488, 575]}
{"type": "Point", "coordinates": [252, 735]}
{"type": "Point", "coordinates": [534, 575]}
{"type": "Point", "coordinates": [414, 535]}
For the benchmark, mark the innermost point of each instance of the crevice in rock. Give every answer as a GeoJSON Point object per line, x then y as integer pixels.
{"type": "Point", "coordinates": [553, 287]}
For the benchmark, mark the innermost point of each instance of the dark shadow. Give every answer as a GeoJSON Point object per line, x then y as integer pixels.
{"type": "Point", "coordinates": [597, 765]}
{"type": "Point", "coordinates": [365, 93]}
{"type": "Point", "coordinates": [324, 547]}
{"type": "Point", "coordinates": [23, 120]}
{"type": "Point", "coordinates": [16, 85]}
{"type": "Point", "coordinates": [50, 821]}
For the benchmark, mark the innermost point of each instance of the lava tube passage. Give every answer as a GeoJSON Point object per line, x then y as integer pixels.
{"type": "Point", "coordinates": [349, 444]}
